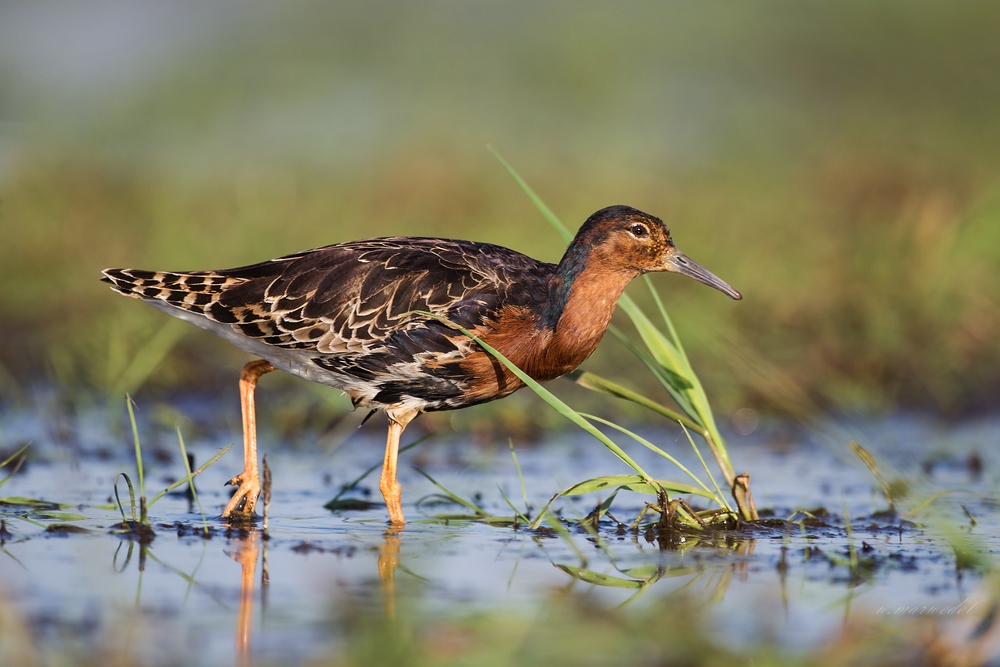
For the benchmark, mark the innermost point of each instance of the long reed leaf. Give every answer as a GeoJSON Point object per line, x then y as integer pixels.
{"type": "Point", "coordinates": [535, 199]}
{"type": "Point", "coordinates": [138, 447]}
{"type": "Point", "coordinates": [194, 473]}
{"type": "Point", "coordinates": [520, 476]}
{"type": "Point", "coordinates": [17, 466]}
{"type": "Point", "coordinates": [705, 466]}
{"type": "Point", "coordinates": [648, 445]}
{"type": "Point", "coordinates": [517, 512]}
{"type": "Point", "coordinates": [547, 396]}
{"type": "Point", "coordinates": [454, 496]}
{"type": "Point", "coordinates": [190, 480]}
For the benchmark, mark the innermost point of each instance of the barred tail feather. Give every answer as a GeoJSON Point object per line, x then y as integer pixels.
{"type": "Point", "coordinates": [195, 291]}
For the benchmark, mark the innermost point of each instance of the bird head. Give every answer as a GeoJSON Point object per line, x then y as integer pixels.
{"type": "Point", "coordinates": [628, 240]}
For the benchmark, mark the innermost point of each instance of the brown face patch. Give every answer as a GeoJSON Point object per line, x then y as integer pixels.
{"type": "Point", "coordinates": [632, 242]}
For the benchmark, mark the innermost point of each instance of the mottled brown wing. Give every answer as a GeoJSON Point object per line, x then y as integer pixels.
{"type": "Point", "coordinates": [351, 307]}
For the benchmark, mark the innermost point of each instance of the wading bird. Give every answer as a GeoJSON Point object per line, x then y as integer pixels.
{"type": "Point", "coordinates": [377, 319]}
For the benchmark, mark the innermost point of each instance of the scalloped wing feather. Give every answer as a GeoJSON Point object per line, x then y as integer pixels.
{"type": "Point", "coordinates": [349, 310]}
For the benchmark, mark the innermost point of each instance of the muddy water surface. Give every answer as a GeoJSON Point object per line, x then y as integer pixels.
{"type": "Point", "coordinates": [79, 588]}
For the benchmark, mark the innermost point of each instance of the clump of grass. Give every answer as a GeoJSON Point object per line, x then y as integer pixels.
{"type": "Point", "coordinates": [140, 524]}
{"type": "Point", "coordinates": [641, 482]}
{"type": "Point", "coordinates": [665, 357]}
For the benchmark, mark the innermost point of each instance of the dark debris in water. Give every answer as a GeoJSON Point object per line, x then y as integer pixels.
{"type": "Point", "coordinates": [782, 524]}
{"type": "Point", "coordinates": [351, 504]}
{"type": "Point", "coordinates": [241, 521]}
{"type": "Point", "coordinates": [65, 530]}
{"type": "Point", "coordinates": [185, 529]}
{"type": "Point", "coordinates": [134, 530]}
{"type": "Point", "coordinates": [306, 547]}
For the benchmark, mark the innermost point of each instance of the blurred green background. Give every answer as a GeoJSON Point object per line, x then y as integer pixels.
{"type": "Point", "coordinates": [836, 162]}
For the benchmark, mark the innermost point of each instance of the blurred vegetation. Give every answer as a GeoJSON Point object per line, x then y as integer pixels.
{"type": "Point", "coordinates": [836, 163]}
{"type": "Point", "coordinates": [569, 628]}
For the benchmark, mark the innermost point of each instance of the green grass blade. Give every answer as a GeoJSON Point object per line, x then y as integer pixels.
{"type": "Point", "coordinates": [32, 502]}
{"type": "Point", "coordinates": [517, 512]}
{"type": "Point", "coordinates": [602, 483]}
{"type": "Point", "coordinates": [14, 455]}
{"type": "Point", "coordinates": [684, 399]}
{"type": "Point", "coordinates": [15, 559]}
{"type": "Point", "coordinates": [675, 385]}
{"type": "Point", "coordinates": [923, 504]}
{"type": "Point", "coordinates": [705, 466]}
{"type": "Point", "coordinates": [60, 516]}
{"type": "Point", "coordinates": [353, 485]}
{"type": "Point", "coordinates": [849, 529]}
{"type": "Point", "coordinates": [666, 320]}
{"type": "Point", "coordinates": [454, 496]}
{"type": "Point", "coordinates": [667, 356]}
{"type": "Point", "coordinates": [138, 447]}
{"type": "Point", "coordinates": [16, 467]}
{"type": "Point", "coordinates": [548, 397]}
{"type": "Point", "coordinates": [194, 473]}
{"type": "Point", "coordinates": [131, 495]}
{"type": "Point", "coordinates": [634, 483]}
{"type": "Point", "coordinates": [603, 508]}
{"type": "Point", "coordinates": [595, 382]}
{"type": "Point", "coordinates": [24, 518]}
{"type": "Point", "coordinates": [190, 480]}
{"type": "Point", "coordinates": [648, 445]}
{"type": "Point", "coordinates": [673, 359]}
{"type": "Point", "coordinates": [520, 475]}
{"type": "Point", "coordinates": [872, 466]}
{"type": "Point", "coordinates": [535, 199]}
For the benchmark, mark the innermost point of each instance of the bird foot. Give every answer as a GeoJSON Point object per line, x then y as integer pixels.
{"type": "Point", "coordinates": [245, 499]}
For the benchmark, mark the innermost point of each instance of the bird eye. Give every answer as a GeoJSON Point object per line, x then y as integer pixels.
{"type": "Point", "coordinates": [638, 231]}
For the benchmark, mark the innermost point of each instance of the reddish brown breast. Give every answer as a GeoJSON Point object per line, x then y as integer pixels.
{"type": "Point", "coordinates": [584, 321]}
{"type": "Point", "coordinates": [541, 352]}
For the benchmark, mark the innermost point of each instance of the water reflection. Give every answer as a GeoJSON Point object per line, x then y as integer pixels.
{"type": "Point", "coordinates": [248, 547]}
{"type": "Point", "coordinates": [642, 577]}
{"type": "Point", "coordinates": [622, 569]}
{"type": "Point", "coordinates": [245, 551]}
{"type": "Point", "coordinates": [388, 561]}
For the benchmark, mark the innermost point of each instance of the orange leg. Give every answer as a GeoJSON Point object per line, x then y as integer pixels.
{"type": "Point", "coordinates": [248, 481]}
{"type": "Point", "coordinates": [388, 484]}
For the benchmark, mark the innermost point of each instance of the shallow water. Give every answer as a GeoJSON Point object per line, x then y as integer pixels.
{"type": "Point", "coordinates": [184, 599]}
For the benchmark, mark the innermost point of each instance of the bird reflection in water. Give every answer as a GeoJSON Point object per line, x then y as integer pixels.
{"type": "Point", "coordinates": [249, 546]}
{"type": "Point", "coordinates": [246, 551]}
{"type": "Point", "coordinates": [388, 561]}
